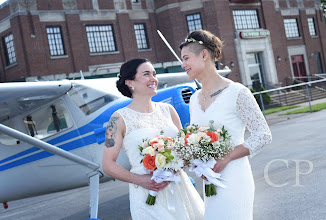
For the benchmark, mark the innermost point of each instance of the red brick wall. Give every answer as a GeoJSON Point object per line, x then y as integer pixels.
{"type": "Point", "coordinates": [33, 55]}
{"type": "Point", "coordinates": [49, 5]}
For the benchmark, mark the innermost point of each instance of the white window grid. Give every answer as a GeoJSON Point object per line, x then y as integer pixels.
{"type": "Point", "coordinates": [10, 49]}
{"type": "Point", "coordinates": [100, 38]}
{"type": "Point", "coordinates": [291, 28]}
{"type": "Point", "coordinates": [141, 36]}
{"type": "Point", "coordinates": [246, 19]}
{"type": "Point", "coordinates": [311, 25]}
{"type": "Point", "coordinates": [194, 22]}
{"type": "Point", "coordinates": [55, 41]}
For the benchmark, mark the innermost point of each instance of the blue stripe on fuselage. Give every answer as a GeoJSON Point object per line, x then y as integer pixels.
{"type": "Point", "coordinates": [44, 154]}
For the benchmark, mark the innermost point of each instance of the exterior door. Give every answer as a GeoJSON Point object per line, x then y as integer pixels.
{"type": "Point", "coordinates": [256, 71]}
{"type": "Point", "coordinates": [299, 69]}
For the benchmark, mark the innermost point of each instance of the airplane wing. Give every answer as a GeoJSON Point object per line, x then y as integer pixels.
{"type": "Point", "coordinates": [16, 98]}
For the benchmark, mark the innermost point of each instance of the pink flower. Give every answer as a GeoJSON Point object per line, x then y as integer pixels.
{"type": "Point", "coordinates": [159, 147]}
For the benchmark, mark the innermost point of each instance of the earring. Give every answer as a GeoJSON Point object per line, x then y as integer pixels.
{"type": "Point", "coordinates": [132, 88]}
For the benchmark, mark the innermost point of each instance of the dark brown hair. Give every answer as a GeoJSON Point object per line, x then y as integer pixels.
{"type": "Point", "coordinates": [202, 39]}
{"type": "Point", "coordinates": [128, 71]}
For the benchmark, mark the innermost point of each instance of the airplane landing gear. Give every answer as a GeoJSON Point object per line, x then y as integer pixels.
{"type": "Point", "coordinates": [5, 205]}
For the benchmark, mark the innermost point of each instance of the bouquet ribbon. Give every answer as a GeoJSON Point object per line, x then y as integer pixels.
{"type": "Point", "coordinates": [165, 175]}
{"type": "Point", "coordinates": [205, 168]}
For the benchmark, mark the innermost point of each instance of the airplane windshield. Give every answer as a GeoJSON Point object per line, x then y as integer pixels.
{"type": "Point", "coordinates": [91, 95]}
{"type": "Point", "coordinates": [48, 120]}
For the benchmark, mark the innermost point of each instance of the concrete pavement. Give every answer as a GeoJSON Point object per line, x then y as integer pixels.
{"type": "Point", "coordinates": [289, 175]}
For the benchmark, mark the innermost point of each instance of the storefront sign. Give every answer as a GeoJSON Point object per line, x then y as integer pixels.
{"type": "Point", "coordinates": [253, 34]}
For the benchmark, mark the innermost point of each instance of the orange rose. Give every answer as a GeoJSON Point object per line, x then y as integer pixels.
{"type": "Point", "coordinates": [213, 136]}
{"type": "Point", "coordinates": [186, 137]}
{"type": "Point", "coordinates": [149, 162]}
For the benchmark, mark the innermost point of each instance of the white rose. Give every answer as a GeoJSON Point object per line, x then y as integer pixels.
{"type": "Point", "coordinates": [192, 139]}
{"type": "Point", "coordinates": [160, 161]}
{"type": "Point", "coordinates": [149, 150]}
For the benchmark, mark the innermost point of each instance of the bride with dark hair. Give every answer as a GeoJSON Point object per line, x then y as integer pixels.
{"type": "Point", "coordinates": [126, 129]}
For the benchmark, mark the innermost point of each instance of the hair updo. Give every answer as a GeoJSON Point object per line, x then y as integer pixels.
{"type": "Point", "coordinates": [202, 39]}
{"type": "Point", "coordinates": [128, 71]}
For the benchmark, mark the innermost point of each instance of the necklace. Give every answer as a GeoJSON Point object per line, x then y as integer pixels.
{"type": "Point", "coordinates": [215, 93]}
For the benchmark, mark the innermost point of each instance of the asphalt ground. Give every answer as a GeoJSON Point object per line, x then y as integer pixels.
{"type": "Point", "coordinates": [289, 175]}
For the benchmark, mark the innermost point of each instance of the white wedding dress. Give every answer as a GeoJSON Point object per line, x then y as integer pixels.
{"type": "Point", "coordinates": [187, 202]}
{"type": "Point", "coordinates": [236, 109]}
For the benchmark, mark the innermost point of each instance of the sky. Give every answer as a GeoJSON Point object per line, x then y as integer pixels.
{"type": "Point", "coordinates": [2, 1]}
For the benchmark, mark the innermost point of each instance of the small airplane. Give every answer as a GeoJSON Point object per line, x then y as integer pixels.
{"type": "Point", "coordinates": [52, 133]}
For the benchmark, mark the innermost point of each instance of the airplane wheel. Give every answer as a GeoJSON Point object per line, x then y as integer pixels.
{"type": "Point", "coordinates": [5, 205]}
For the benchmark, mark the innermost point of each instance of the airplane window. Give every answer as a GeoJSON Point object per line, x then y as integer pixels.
{"type": "Point", "coordinates": [89, 99]}
{"type": "Point", "coordinates": [7, 140]}
{"type": "Point", "coordinates": [48, 121]}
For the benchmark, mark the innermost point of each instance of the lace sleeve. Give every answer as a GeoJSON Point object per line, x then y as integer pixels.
{"type": "Point", "coordinates": [249, 112]}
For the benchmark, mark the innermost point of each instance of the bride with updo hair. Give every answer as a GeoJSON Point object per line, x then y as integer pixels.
{"type": "Point", "coordinates": [232, 105]}
{"type": "Point", "coordinates": [127, 128]}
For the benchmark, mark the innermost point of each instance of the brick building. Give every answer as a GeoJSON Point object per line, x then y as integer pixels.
{"type": "Point", "coordinates": [266, 41]}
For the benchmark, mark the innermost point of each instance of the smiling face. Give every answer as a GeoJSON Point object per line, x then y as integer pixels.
{"type": "Point", "coordinates": [194, 64]}
{"type": "Point", "coordinates": [145, 82]}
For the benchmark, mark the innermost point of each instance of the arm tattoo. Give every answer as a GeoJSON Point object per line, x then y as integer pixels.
{"type": "Point", "coordinates": [111, 130]}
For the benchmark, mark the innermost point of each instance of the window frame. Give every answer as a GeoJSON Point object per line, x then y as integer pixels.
{"type": "Point", "coordinates": [112, 41]}
{"type": "Point", "coordinates": [55, 40]}
{"type": "Point", "coordinates": [286, 30]}
{"type": "Point", "coordinates": [194, 21]}
{"type": "Point", "coordinates": [9, 60]}
{"type": "Point", "coordinates": [312, 25]}
{"type": "Point", "coordinates": [142, 36]}
{"type": "Point", "coordinates": [241, 26]}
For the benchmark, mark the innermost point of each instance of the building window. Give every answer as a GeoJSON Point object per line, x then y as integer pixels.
{"type": "Point", "coordinates": [55, 41]}
{"type": "Point", "coordinates": [255, 65]}
{"type": "Point", "coordinates": [311, 24]}
{"type": "Point", "coordinates": [141, 36]}
{"type": "Point", "coordinates": [194, 22]}
{"type": "Point", "coordinates": [100, 38]}
{"type": "Point", "coordinates": [135, 1]}
{"type": "Point", "coordinates": [9, 46]}
{"type": "Point", "coordinates": [245, 19]}
{"type": "Point", "coordinates": [291, 28]}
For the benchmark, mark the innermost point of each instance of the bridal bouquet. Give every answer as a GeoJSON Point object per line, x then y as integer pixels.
{"type": "Point", "coordinates": [199, 147]}
{"type": "Point", "coordinates": [160, 157]}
